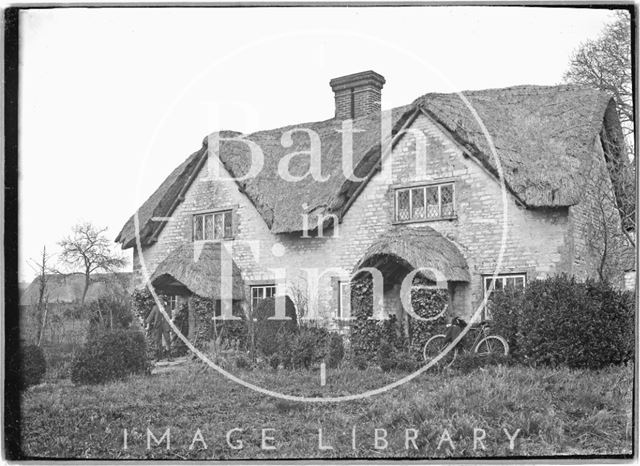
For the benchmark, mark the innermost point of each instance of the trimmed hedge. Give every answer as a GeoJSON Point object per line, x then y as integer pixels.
{"type": "Point", "coordinates": [267, 330]}
{"type": "Point", "coordinates": [336, 351]}
{"type": "Point", "coordinates": [560, 321]}
{"type": "Point", "coordinates": [110, 356]}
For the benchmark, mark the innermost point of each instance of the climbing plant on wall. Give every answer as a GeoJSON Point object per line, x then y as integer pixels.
{"type": "Point", "coordinates": [427, 303]}
{"type": "Point", "coordinates": [367, 334]}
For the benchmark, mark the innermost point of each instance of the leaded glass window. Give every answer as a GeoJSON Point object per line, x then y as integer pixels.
{"type": "Point", "coordinates": [212, 226]}
{"type": "Point", "coordinates": [425, 203]}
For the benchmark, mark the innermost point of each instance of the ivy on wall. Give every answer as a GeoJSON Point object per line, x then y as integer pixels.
{"type": "Point", "coordinates": [367, 334]}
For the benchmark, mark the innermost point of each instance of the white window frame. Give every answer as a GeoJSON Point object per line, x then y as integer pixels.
{"type": "Point", "coordinates": [173, 302]}
{"type": "Point", "coordinates": [424, 188]}
{"type": "Point", "coordinates": [502, 277]}
{"type": "Point", "coordinates": [213, 215]}
{"type": "Point", "coordinates": [343, 310]}
{"type": "Point", "coordinates": [263, 292]}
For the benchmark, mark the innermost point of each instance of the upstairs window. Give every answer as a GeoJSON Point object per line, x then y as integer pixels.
{"type": "Point", "coordinates": [425, 203]}
{"type": "Point", "coordinates": [212, 226]}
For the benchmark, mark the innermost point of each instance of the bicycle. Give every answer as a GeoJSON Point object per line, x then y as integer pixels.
{"type": "Point", "coordinates": [484, 343]}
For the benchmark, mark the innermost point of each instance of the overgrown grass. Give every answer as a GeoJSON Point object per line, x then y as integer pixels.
{"type": "Point", "coordinates": [558, 412]}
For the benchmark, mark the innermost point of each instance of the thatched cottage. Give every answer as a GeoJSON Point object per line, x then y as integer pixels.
{"type": "Point", "coordinates": [406, 207]}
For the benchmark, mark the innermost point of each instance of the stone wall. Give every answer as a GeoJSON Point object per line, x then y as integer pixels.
{"type": "Point", "coordinates": [595, 219]}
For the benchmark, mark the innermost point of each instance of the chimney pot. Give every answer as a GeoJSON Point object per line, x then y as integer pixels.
{"type": "Point", "coordinates": [357, 94]}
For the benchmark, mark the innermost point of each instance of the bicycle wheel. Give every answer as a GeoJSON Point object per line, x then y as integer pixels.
{"type": "Point", "coordinates": [436, 345]}
{"type": "Point", "coordinates": [492, 345]}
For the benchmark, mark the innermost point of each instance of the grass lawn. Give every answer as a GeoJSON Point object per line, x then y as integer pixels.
{"type": "Point", "coordinates": [558, 412]}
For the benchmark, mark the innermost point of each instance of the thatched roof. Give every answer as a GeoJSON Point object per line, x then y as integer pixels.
{"type": "Point", "coordinates": [541, 135]}
{"type": "Point", "coordinates": [68, 288]}
{"type": "Point", "coordinates": [198, 271]}
{"type": "Point", "coordinates": [417, 247]}
{"type": "Point", "coordinates": [160, 202]}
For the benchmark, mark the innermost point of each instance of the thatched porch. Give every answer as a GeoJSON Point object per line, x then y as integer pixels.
{"type": "Point", "coordinates": [199, 270]}
{"type": "Point", "coordinates": [402, 250]}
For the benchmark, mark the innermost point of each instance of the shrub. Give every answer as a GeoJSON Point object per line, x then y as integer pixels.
{"type": "Point", "coordinates": [559, 321]}
{"type": "Point", "coordinates": [304, 349]}
{"type": "Point", "coordinates": [360, 362]}
{"type": "Point", "coordinates": [336, 351]}
{"type": "Point", "coordinates": [274, 362]}
{"type": "Point", "coordinates": [285, 349]}
{"type": "Point", "coordinates": [242, 362]}
{"type": "Point", "coordinates": [266, 330]}
{"type": "Point", "coordinates": [110, 356]}
{"type": "Point", "coordinates": [386, 357]}
{"type": "Point", "coordinates": [109, 313]}
{"type": "Point", "coordinates": [32, 367]}
{"type": "Point", "coordinates": [320, 338]}
{"type": "Point", "coordinates": [406, 361]}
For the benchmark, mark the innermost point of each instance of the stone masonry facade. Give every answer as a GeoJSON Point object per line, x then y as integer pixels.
{"type": "Point", "coordinates": [491, 230]}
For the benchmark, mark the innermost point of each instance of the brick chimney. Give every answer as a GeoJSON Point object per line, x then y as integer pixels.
{"type": "Point", "coordinates": [357, 94]}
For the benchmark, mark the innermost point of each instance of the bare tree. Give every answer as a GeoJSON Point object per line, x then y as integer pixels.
{"type": "Point", "coordinates": [605, 63]}
{"type": "Point", "coordinates": [606, 236]}
{"type": "Point", "coordinates": [88, 250]}
{"type": "Point", "coordinates": [41, 267]}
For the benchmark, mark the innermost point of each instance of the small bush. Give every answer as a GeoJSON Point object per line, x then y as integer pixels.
{"type": "Point", "coordinates": [406, 362]}
{"type": "Point", "coordinates": [320, 337]}
{"type": "Point", "coordinates": [274, 362]}
{"type": "Point", "coordinates": [110, 356]}
{"type": "Point", "coordinates": [242, 362]}
{"type": "Point", "coordinates": [360, 362]}
{"type": "Point", "coordinates": [33, 366]}
{"type": "Point", "coordinates": [336, 351]}
{"type": "Point", "coordinates": [386, 357]}
{"type": "Point", "coordinates": [304, 349]}
{"type": "Point", "coordinates": [266, 330]}
{"type": "Point", "coordinates": [559, 321]}
{"type": "Point", "coordinates": [109, 313]}
{"type": "Point", "coordinates": [285, 349]}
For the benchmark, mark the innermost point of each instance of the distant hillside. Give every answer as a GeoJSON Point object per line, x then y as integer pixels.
{"type": "Point", "coordinates": [68, 289]}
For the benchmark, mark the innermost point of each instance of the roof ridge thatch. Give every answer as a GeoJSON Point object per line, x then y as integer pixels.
{"type": "Point", "coordinates": [542, 135]}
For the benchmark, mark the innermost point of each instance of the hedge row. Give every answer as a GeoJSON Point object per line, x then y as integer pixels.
{"type": "Point", "coordinates": [560, 321]}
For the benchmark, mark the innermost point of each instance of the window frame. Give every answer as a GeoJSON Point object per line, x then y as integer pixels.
{"type": "Point", "coordinates": [213, 214]}
{"type": "Point", "coordinates": [172, 302]}
{"type": "Point", "coordinates": [342, 305]}
{"type": "Point", "coordinates": [262, 286]}
{"type": "Point", "coordinates": [502, 277]}
{"type": "Point", "coordinates": [424, 187]}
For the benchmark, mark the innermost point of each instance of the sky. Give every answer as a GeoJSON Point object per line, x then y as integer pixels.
{"type": "Point", "coordinates": [113, 99]}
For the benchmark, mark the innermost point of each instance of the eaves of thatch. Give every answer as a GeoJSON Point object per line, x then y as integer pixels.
{"type": "Point", "coordinates": [420, 247]}
{"type": "Point", "coordinates": [541, 136]}
{"type": "Point", "coordinates": [200, 269]}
